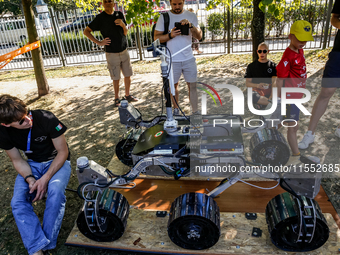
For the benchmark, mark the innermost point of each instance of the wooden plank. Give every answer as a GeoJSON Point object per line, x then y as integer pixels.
{"type": "Point", "coordinates": [153, 194]}
{"type": "Point", "coordinates": [147, 233]}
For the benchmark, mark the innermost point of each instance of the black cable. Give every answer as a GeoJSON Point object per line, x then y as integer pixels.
{"type": "Point", "coordinates": [218, 125]}
{"type": "Point", "coordinates": [166, 171]}
{"type": "Point", "coordinates": [187, 118]}
{"type": "Point", "coordinates": [72, 190]}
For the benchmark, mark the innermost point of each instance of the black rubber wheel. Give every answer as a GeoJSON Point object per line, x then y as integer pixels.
{"type": "Point", "coordinates": [124, 151]}
{"type": "Point", "coordinates": [269, 147]}
{"type": "Point", "coordinates": [194, 221]}
{"type": "Point", "coordinates": [114, 210]}
{"type": "Point", "coordinates": [282, 216]}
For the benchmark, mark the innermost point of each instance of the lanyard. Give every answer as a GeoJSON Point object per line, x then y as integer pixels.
{"type": "Point", "coordinates": [28, 150]}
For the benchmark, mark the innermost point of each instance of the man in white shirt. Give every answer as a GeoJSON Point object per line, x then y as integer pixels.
{"type": "Point", "coordinates": [183, 62]}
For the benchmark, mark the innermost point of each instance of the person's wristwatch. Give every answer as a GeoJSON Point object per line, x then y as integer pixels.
{"type": "Point", "coordinates": [169, 34]}
{"type": "Point", "coordinates": [28, 176]}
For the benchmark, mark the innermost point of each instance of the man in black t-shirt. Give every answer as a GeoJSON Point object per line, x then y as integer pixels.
{"type": "Point", "coordinates": [330, 82]}
{"type": "Point", "coordinates": [41, 136]}
{"type": "Point", "coordinates": [261, 75]}
{"type": "Point", "coordinates": [112, 26]}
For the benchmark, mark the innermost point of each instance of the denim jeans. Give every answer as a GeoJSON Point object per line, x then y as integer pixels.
{"type": "Point", "coordinates": [34, 236]}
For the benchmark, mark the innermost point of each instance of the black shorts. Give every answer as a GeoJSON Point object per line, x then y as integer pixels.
{"type": "Point", "coordinates": [292, 112]}
{"type": "Point", "coordinates": [331, 74]}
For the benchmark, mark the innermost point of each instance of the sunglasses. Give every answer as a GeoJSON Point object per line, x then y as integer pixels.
{"type": "Point", "coordinates": [260, 51]}
{"type": "Point", "coordinates": [22, 120]}
{"type": "Point", "coordinates": [108, 1]}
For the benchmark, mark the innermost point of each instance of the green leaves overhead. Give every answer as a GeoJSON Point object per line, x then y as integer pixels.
{"type": "Point", "coordinates": [277, 7]}
{"type": "Point", "coordinates": [139, 12]}
{"type": "Point", "coordinates": [271, 8]}
{"type": "Point", "coordinates": [267, 2]}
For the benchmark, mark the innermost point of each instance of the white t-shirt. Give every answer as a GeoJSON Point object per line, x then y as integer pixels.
{"type": "Point", "coordinates": [180, 41]}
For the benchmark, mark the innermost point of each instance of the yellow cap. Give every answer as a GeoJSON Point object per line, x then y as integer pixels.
{"type": "Point", "coordinates": [302, 30]}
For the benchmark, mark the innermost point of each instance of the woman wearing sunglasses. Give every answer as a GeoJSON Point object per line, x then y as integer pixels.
{"type": "Point", "coordinates": [260, 75]}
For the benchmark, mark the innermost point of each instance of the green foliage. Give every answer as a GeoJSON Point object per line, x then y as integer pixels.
{"type": "Point", "coordinates": [12, 6]}
{"type": "Point", "coordinates": [242, 18]}
{"type": "Point", "coordinates": [211, 4]}
{"type": "Point", "coordinates": [60, 5]}
{"type": "Point", "coordinates": [215, 23]}
{"type": "Point", "coordinates": [311, 11]}
{"type": "Point", "coordinates": [139, 12]}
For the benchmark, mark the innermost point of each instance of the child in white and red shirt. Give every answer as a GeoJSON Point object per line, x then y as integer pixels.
{"type": "Point", "coordinates": [291, 72]}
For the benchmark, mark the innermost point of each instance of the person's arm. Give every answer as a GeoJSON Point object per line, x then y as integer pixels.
{"type": "Point", "coordinates": [273, 86]}
{"type": "Point", "coordinates": [88, 33]}
{"type": "Point", "coordinates": [164, 38]}
{"type": "Point", "coordinates": [21, 165]}
{"type": "Point", "coordinates": [335, 21]}
{"type": "Point", "coordinates": [41, 185]}
{"type": "Point", "coordinates": [250, 84]}
{"type": "Point", "coordinates": [119, 22]}
{"type": "Point", "coordinates": [279, 85]}
{"type": "Point", "coordinates": [195, 31]}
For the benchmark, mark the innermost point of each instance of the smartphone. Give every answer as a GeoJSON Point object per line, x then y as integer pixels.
{"type": "Point", "coordinates": [184, 28]}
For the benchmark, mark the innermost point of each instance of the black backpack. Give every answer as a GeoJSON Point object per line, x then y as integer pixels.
{"type": "Point", "coordinates": [166, 26]}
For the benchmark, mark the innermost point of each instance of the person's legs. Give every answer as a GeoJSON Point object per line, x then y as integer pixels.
{"type": "Point", "coordinates": [55, 203]}
{"type": "Point", "coordinates": [28, 223]}
{"type": "Point", "coordinates": [177, 72]}
{"type": "Point", "coordinates": [126, 68]}
{"type": "Point", "coordinates": [116, 88]}
{"type": "Point", "coordinates": [193, 97]}
{"type": "Point", "coordinates": [190, 76]}
{"type": "Point", "coordinates": [292, 117]}
{"type": "Point", "coordinates": [113, 64]}
{"type": "Point", "coordinates": [330, 82]}
{"type": "Point", "coordinates": [175, 103]}
{"type": "Point", "coordinates": [263, 100]}
{"type": "Point", "coordinates": [127, 83]}
{"type": "Point", "coordinates": [292, 138]}
{"type": "Point", "coordinates": [320, 107]}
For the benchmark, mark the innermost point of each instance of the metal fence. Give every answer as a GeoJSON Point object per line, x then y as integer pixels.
{"type": "Point", "coordinates": [225, 30]}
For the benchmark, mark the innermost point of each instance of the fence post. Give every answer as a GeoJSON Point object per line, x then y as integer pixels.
{"type": "Point", "coordinates": [139, 43]}
{"type": "Point", "coordinates": [327, 27]}
{"type": "Point", "coordinates": [57, 37]}
{"type": "Point", "coordinates": [228, 27]}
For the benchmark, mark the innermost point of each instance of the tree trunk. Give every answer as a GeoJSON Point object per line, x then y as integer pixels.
{"type": "Point", "coordinates": [257, 27]}
{"type": "Point", "coordinates": [38, 64]}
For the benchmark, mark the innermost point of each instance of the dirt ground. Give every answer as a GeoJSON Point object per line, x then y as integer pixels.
{"type": "Point", "coordinates": [85, 105]}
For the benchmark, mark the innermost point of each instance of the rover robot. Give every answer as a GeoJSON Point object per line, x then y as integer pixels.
{"type": "Point", "coordinates": [173, 146]}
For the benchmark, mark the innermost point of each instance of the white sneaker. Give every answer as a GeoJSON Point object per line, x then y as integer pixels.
{"type": "Point", "coordinates": [337, 132]}
{"type": "Point", "coordinates": [176, 112]}
{"type": "Point", "coordinates": [306, 140]}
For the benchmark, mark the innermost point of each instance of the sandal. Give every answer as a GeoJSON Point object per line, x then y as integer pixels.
{"type": "Point", "coordinates": [130, 98]}
{"type": "Point", "coordinates": [116, 102]}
